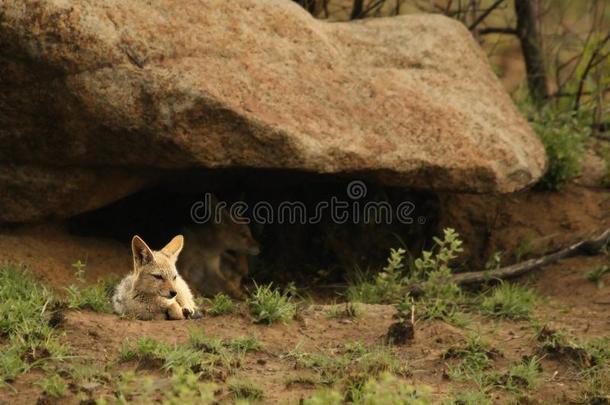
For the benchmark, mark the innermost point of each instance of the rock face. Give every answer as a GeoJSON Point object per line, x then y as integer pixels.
{"type": "Point", "coordinates": [91, 89]}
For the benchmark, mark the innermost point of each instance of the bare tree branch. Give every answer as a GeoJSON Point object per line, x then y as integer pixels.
{"type": "Point", "coordinates": [357, 8]}
{"type": "Point", "coordinates": [587, 246]}
{"type": "Point", "coordinates": [531, 47]}
{"type": "Point", "coordinates": [497, 30]}
{"type": "Point", "coordinates": [593, 61]}
{"type": "Point", "coordinates": [484, 14]}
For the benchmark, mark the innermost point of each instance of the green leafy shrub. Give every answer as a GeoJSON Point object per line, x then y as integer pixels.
{"type": "Point", "coordinates": [441, 295]}
{"type": "Point", "coordinates": [563, 133]}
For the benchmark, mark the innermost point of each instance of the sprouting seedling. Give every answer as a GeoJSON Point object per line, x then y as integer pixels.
{"type": "Point", "coordinates": [597, 276]}
{"type": "Point", "coordinates": [80, 270]}
{"type": "Point", "coordinates": [494, 262]}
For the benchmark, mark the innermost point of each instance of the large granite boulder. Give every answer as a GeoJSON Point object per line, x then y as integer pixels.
{"type": "Point", "coordinates": [92, 89]}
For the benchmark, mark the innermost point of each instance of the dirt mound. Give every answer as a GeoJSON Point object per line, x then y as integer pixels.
{"type": "Point", "coordinates": [525, 224]}
{"type": "Point", "coordinates": [49, 251]}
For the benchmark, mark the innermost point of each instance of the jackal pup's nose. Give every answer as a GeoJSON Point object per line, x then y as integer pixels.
{"type": "Point", "coordinates": [172, 293]}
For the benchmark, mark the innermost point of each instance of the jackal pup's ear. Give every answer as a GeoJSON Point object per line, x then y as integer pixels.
{"type": "Point", "coordinates": [173, 248]}
{"type": "Point", "coordinates": [142, 254]}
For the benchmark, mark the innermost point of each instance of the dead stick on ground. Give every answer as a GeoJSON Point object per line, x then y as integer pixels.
{"type": "Point", "coordinates": [588, 246]}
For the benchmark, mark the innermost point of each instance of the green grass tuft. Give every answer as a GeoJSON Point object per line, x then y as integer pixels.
{"type": "Point", "coordinates": [244, 389]}
{"type": "Point", "coordinates": [519, 376]}
{"type": "Point", "coordinates": [597, 276]}
{"type": "Point", "coordinates": [346, 310]}
{"type": "Point", "coordinates": [220, 304]}
{"type": "Point", "coordinates": [509, 301]}
{"type": "Point", "coordinates": [475, 358]}
{"type": "Point", "coordinates": [94, 298]}
{"type": "Point", "coordinates": [28, 339]}
{"type": "Point", "coordinates": [53, 385]}
{"type": "Point", "coordinates": [269, 305]}
{"type": "Point", "coordinates": [469, 398]}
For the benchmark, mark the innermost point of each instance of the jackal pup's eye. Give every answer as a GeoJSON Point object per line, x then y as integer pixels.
{"type": "Point", "coordinates": [158, 276]}
{"type": "Point", "coordinates": [174, 277]}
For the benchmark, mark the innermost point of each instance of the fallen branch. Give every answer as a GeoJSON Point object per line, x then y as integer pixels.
{"type": "Point", "coordinates": [588, 247]}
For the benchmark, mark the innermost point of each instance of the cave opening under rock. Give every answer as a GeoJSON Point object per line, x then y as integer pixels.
{"type": "Point", "coordinates": [314, 243]}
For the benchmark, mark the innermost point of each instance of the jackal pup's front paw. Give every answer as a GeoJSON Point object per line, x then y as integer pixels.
{"type": "Point", "coordinates": [191, 313]}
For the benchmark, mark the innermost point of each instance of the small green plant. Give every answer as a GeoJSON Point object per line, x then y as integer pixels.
{"type": "Point", "coordinates": [438, 258]}
{"type": "Point", "coordinates": [79, 270]}
{"type": "Point", "coordinates": [383, 389]}
{"type": "Point", "coordinates": [302, 380]}
{"type": "Point", "coordinates": [441, 296]}
{"type": "Point", "coordinates": [387, 285]}
{"type": "Point", "coordinates": [509, 301]}
{"type": "Point", "coordinates": [597, 276]}
{"type": "Point", "coordinates": [328, 368]}
{"type": "Point", "coordinates": [476, 356]}
{"type": "Point", "coordinates": [377, 360]}
{"type": "Point", "coordinates": [269, 305]}
{"type": "Point", "coordinates": [220, 304]}
{"type": "Point", "coordinates": [186, 388]}
{"type": "Point", "coordinates": [54, 386]}
{"type": "Point", "coordinates": [595, 371]}
{"type": "Point", "coordinates": [198, 340]}
{"type": "Point", "coordinates": [595, 388]}
{"type": "Point", "coordinates": [94, 298]}
{"type": "Point", "coordinates": [387, 389]}
{"type": "Point", "coordinates": [244, 389]}
{"type": "Point", "coordinates": [145, 348]}
{"type": "Point", "coordinates": [245, 344]}
{"type": "Point", "coordinates": [519, 376]}
{"type": "Point", "coordinates": [526, 246]}
{"type": "Point", "coordinates": [158, 355]}
{"type": "Point", "coordinates": [324, 396]}
{"type": "Point", "coordinates": [346, 310]}
{"type": "Point", "coordinates": [353, 366]}
{"type": "Point", "coordinates": [494, 261]}
{"type": "Point", "coordinates": [469, 398]}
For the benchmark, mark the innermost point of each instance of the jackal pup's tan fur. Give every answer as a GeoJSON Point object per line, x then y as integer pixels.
{"type": "Point", "coordinates": [155, 290]}
{"type": "Point", "coordinates": [215, 261]}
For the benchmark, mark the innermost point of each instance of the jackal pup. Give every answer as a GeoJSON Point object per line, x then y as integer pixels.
{"type": "Point", "coordinates": [155, 290]}
{"type": "Point", "coordinates": [215, 259]}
